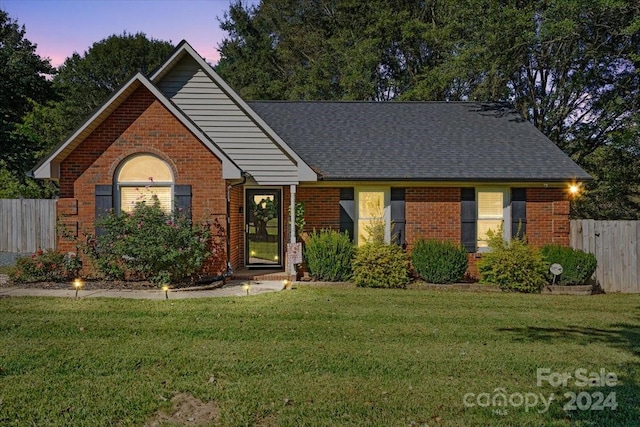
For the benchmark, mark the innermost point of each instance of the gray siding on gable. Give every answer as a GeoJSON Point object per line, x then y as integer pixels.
{"type": "Point", "coordinates": [200, 98]}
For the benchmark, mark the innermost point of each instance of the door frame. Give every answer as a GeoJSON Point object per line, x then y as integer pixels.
{"type": "Point", "coordinates": [278, 193]}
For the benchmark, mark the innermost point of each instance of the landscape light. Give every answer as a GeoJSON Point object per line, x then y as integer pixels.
{"type": "Point", "coordinates": [77, 283]}
{"type": "Point", "coordinates": [246, 287]}
{"type": "Point", "coordinates": [165, 288]}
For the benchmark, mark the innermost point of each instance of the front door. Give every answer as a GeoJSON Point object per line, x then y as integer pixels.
{"type": "Point", "coordinates": [263, 228]}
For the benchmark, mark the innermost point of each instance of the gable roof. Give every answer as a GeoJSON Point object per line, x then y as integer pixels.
{"type": "Point", "coordinates": [426, 141]}
{"type": "Point", "coordinates": [192, 85]}
{"type": "Point", "coordinates": [49, 166]}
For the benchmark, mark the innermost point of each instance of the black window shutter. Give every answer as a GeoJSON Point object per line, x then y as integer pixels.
{"type": "Point", "coordinates": [183, 199]}
{"type": "Point", "coordinates": [518, 212]}
{"type": "Point", "coordinates": [347, 211]}
{"type": "Point", "coordinates": [398, 218]}
{"type": "Point", "coordinates": [468, 219]}
{"type": "Point", "coordinates": [104, 203]}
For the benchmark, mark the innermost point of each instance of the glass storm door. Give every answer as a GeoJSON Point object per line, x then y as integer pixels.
{"type": "Point", "coordinates": [263, 228]}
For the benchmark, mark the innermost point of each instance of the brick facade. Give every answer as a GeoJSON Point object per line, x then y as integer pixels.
{"type": "Point", "coordinates": [547, 216]}
{"type": "Point", "coordinates": [321, 207]}
{"type": "Point", "coordinates": [434, 213]}
{"type": "Point", "coordinates": [141, 125]}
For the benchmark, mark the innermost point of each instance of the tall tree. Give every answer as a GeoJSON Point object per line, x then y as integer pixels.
{"type": "Point", "coordinates": [341, 49]}
{"type": "Point", "coordinates": [571, 67]}
{"type": "Point", "coordinates": [23, 82]}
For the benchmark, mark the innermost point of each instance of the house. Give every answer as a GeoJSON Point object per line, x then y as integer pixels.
{"type": "Point", "coordinates": [443, 170]}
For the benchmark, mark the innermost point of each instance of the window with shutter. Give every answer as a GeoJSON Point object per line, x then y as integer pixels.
{"type": "Point", "coordinates": [141, 178]}
{"type": "Point", "coordinates": [490, 208]}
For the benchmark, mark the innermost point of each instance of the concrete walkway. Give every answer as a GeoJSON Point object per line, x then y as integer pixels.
{"type": "Point", "coordinates": [232, 289]}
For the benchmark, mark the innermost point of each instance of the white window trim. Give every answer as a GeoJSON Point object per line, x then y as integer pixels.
{"type": "Point", "coordinates": [386, 211]}
{"type": "Point", "coordinates": [506, 212]}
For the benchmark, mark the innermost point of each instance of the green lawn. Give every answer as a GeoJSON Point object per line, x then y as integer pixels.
{"type": "Point", "coordinates": [318, 356]}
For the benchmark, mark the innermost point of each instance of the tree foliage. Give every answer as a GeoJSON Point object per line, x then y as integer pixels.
{"type": "Point", "coordinates": [23, 82]}
{"type": "Point", "coordinates": [85, 81]}
{"type": "Point", "coordinates": [37, 112]}
{"type": "Point", "coordinates": [571, 67]}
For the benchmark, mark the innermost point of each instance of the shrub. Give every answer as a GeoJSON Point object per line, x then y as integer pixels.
{"type": "Point", "coordinates": [329, 255]}
{"type": "Point", "coordinates": [380, 266]}
{"type": "Point", "coordinates": [45, 266]}
{"type": "Point", "coordinates": [513, 266]}
{"type": "Point", "coordinates": [578, 266]}
{"type": "Point", "coordinates": [439, 262]}
{"type": "Point", "coordinates": [150, 244]}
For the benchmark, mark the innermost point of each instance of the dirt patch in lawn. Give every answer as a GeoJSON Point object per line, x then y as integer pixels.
{"type": "Point", "coordinates": [188, 411]}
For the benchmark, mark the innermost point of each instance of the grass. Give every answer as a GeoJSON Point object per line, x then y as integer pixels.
{"type": "Point", "coordinates": [320, 356]}
{"type": "Point", "coordinates": [264, 250]}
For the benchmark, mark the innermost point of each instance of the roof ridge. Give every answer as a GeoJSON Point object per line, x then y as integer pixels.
{"type": "Point", "coordinates": [286, 101]}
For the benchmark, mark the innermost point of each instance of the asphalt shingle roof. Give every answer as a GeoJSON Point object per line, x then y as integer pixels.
{"type": "Point", "coordinates": [434, 141]}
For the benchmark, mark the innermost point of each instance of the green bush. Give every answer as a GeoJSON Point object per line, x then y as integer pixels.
{"type": "Point", "coordinates": [150, 244]}
{"type": "Point", "coordinates": [379, 265]}
{"type": "Point", "coordinates": [45, 266]}
{"type": "Point", "coordinates": [577, 266]}
{"type": "Point", "coordinates": [439, 262]}
{"type": "Point", "coordinates": [329, 255]}
{"type": "Point", "coordinates": [513, 266]}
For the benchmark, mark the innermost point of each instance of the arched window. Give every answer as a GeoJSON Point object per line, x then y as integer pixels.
{"type": "Point", "coordinates": [141, 177]}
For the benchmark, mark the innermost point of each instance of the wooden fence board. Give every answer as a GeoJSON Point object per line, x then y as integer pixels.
{"type": "Point", "coordinates": [616, 245]}
{"type": "Point", "coordinates": [27, 224]}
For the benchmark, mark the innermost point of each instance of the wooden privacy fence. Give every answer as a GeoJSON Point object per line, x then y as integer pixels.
{"type": "Point", "coordinates": [27, 224]}
{"type": "Point", "coordinates": [615, 245]}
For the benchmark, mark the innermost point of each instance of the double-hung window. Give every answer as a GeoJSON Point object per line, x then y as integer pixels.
{"type": "Point", "coordinates": [492, 214]}
{"type": "Point", "coordinates": [373, 214]}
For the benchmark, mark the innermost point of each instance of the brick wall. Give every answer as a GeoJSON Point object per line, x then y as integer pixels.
{"type": "Point", "coordinates": [432, 213]}
{"type": "Point", "coordinates": [237, 227]}
{"type": "Point", "coordinates": [141, 125]}
{"type": "Point", "coordinates": [321, 207]}
{"type": "Point", "coordinates": [547, 216]}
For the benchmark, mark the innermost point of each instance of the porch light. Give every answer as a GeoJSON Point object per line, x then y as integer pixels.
{"type": "Point", "coordinates": [246, 286]}
{"type": "Point", "coordinates": [77, 283]}
{"type": "Point", "coordinates": [574, 189]}
{"type": "Point", "coordinates": [165, 288]}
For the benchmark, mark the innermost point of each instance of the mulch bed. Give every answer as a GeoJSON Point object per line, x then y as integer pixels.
{"type": "Point", "coordinates": [90, 285]}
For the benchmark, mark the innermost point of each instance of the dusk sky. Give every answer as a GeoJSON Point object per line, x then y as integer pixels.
{"type": "Point", "coordinates": [61, 27]}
